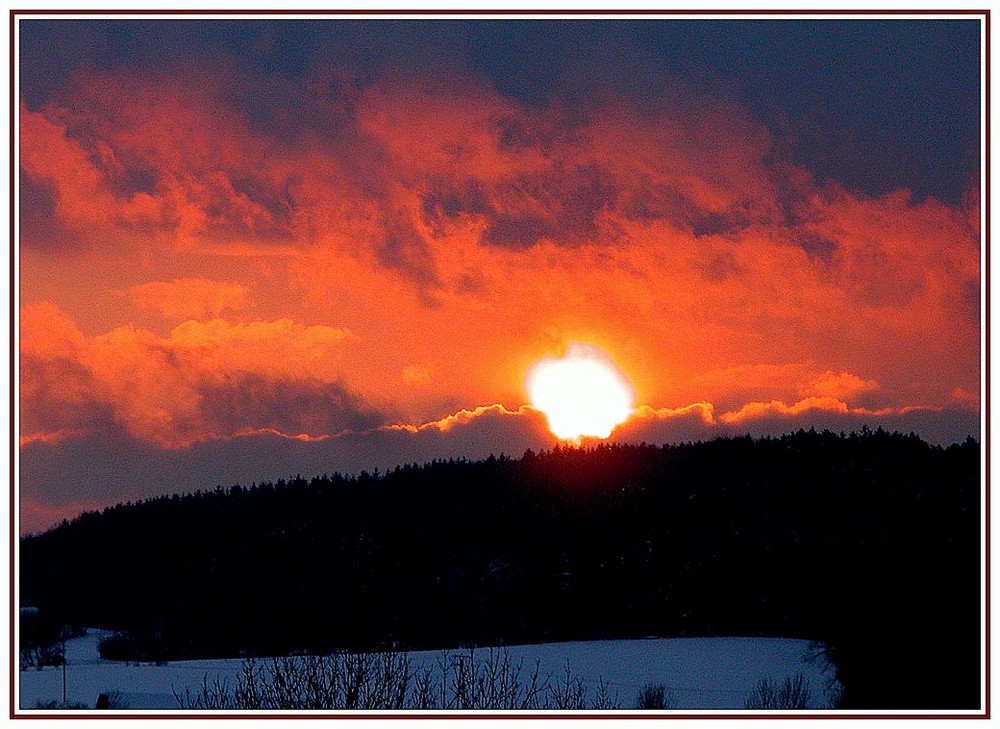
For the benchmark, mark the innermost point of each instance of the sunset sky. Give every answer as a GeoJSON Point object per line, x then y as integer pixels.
{"type": "Point", "coordinates": [251, 249]}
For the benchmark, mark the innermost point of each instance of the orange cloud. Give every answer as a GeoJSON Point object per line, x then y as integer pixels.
{"type": "Point", "coordinates": [84, 200]}
{"type": "Point", "coordinates": [279, 347]}
{"type": "Point", "coordinates": [158, 156]}
{"type": "Point", "coordinates": [47, 331]}
{"type": "Point", "coordinates": [704, 410]}
{"type": "Point", "coordinates": [967, 398]}
{"type": "Point", "coordinates": [755, 410]}
{"type": "Point", "coordinates": [54, 436]}
{"type": "Point", "coordinates": [48, 154]}
{"type": "Point", "coordinates": [840, 385]}
{"type": "Point", "coordinates": [785, 381]}
{"type": "Point", "coordinates": [444, 224]}
{"type": "Point", "coordinates": [55, 386]}
{"type": "Point", "coordinates": [416, 375]}
{"type": "Point", "coordinates": [464, 417]}
{"type": "Point", "coordinates": [205, 380]}
{"type": "Point", "coordinates": [191, 298]}
{"type": "Point", "coordinates": [758, 410]}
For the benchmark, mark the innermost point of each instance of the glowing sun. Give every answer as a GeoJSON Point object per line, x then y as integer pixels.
{"type": "Point", "coordinates": [583, 394]}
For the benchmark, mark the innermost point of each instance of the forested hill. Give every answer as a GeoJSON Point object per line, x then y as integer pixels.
{"type": "Point", "coordinates": [869, 541]}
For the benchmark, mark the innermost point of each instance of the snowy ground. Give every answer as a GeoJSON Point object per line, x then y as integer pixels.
{"type": "Point", "coordinates": [701, 673]}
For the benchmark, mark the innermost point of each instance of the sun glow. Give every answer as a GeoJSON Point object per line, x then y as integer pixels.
{"type": "Point", "coordinates": [583, 394]}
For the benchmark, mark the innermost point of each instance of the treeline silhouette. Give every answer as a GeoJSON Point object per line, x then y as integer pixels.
{"type": "Point", "coordinates": [868, 542]}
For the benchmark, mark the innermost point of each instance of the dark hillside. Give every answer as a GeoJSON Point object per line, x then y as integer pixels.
{"type": "Point", "coordinates": [870, 542]}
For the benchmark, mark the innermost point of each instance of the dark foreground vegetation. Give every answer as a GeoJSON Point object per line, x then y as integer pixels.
{"type": "Point", "coordinates": [485, 679]}
{"type": "Point", "coordinates": [468, 680]}
{"type": "Point", "coordinates": [869, 543]}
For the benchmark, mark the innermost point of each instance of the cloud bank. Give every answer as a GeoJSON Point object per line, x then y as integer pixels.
{"type": "Point", "coordinates": [87, 471]}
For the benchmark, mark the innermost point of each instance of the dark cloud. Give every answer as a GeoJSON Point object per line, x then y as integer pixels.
{"type": "Point", "coordinates": [970, 304]}
{"type": "Point", "coordinates": [405, 251]}
{"type": "Point", "coordinates": [56, 395]}
{"type": "Point", "coordinates": [942, 427]}
{"type": "Point", "coordinates": [873, 103]}
{"type": "Point", "coordinates": [110, 466]}
{"type": "Point", "coordinates": [720, 267]}
{"type": "Point", "coordinates": [517, 233]}
{"type": "Point", "coordinates": [128, 181]}
{"type": "Point", "coordinates": [39, 223]}
{"type": "Point", "coordinates": [817, 247]}
{"type": "Point", "coordinates": [937, 427]}
{"type": "Point", "coordinates": [444, 199]}
{"type": "Point", "coordinates": [276, 197]}
{"type": "Point", "coordinates": [240, 401]}
{"type": "Point", "coordinates": [661, 200]}
{"type": "Point", "coordinates": [712, 223]}
{"type": "Point", "coordinates": [881, 281]}
{"type": "Point", "coordinates": [561, 205]}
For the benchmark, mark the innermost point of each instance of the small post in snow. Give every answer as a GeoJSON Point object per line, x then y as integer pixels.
{"type": "Point", "coordinates": [62, 634]}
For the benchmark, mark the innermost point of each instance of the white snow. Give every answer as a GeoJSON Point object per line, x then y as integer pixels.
{"type": "Point", "coordinates": [701, 673]}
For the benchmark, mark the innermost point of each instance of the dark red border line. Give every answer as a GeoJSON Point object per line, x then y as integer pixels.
{"type": "Point", "coordinates": [491, 12]}
{"type": "Point", "coordinates": [984, 200]}
{"type": "Point", "coordinates": [470, 716]}
{"type": "Point", "coordinates": [13, 434]}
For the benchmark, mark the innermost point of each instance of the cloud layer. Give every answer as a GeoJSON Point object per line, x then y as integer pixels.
{"type": "Point", "coordinates": [303, 258]}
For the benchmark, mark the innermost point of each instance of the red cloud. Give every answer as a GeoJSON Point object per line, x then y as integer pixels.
{"type": "Point", "coordinates": [447, 225]}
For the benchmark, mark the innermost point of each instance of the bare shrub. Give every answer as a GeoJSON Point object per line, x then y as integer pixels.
{"type": "Point", "coordinates": [569, 692]}
{"type": "Point", "coordinates": [822, 654]}
{"type": "Point", "coordinates": [489, 679]}
{"type": "Point", "coordinates": [112, 699]}
{"type": "Point", "coordinates": [62, 705]}
{"type": "Point", "coordinates": [792, 693]}
{"type": "Point", "coordinates": [423, 689]}
{"type": "Point", "coordinates": [655, 696]}
{"type": "Point", "coordinates": [471, 679]}
{"type": "Point", "coordinates": [605, 700]}
{"type": "Point", "coordinates": [40, 656]}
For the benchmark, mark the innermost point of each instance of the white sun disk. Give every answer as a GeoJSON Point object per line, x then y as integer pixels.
{"type": "Point", "coordinates": [580, 395]}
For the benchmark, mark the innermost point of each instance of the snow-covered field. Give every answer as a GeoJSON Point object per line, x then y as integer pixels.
{"type": "Point", "coordinates": [701, 673]}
